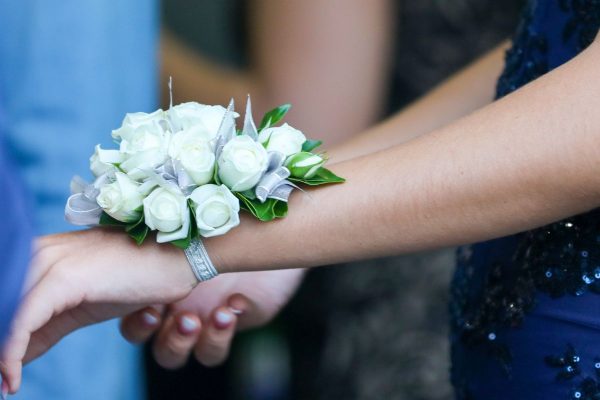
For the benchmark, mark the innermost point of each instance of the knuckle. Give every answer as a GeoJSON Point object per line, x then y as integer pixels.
{"type": "Point", "coordinates": [175, 348]}
{"type": "Point", "coordinates": [212, 354]}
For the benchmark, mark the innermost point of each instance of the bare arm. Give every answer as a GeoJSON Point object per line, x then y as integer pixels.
{"type": "Point", "coordinates": [461, 94]}
{"type": "Point", "coordinates": [527, 160]}
{"type": "Point", "coordinates": [329, 59]}
{"type": "Point", "coordinates": [524, 161]}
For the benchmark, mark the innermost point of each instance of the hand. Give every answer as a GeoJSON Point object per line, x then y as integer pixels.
{"type": "Point", "coordinates": [205, 321]}
{"type": "Point", "coordinates": [80, 278]}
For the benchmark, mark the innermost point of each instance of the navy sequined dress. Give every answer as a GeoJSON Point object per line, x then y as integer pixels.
{"type": "Point", "coordinates": [526, 309]}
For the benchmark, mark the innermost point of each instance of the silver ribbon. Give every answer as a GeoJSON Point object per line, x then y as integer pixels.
{"type": "Point", "coordinates": [82, 208]}
{"type": "Point", "coordinates": [274, 183]}
{"type": "Point", "coordinates": [249, 127]}
{"type": "Point", "coordinates": [226, 130]}
{"type": "Point", "coordinates": [173, 123]}
{"type": "Point", "coordinates": [155, 179]}
{"type": "Point", "coordinates": [173, 171]}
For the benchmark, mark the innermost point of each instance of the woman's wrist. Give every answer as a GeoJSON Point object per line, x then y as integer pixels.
{"type": "Point", "coordinates": [235, 252]}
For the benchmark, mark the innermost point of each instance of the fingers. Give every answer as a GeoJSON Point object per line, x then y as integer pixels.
{"type": "Point", "coordinates": [43, 257]}
{"type": "Point", "coordinates": [241, 306]}
{"type": "Point", "coordinates": [176, 339]}
{"type": "Point", "coordinates": [214, 343]}
{"type": "Point", "coordinates": [4, 392]}
{"type": "Point", "coordinates": [50, 297]}
{"type": "Point", "coordinates": [139, 326]}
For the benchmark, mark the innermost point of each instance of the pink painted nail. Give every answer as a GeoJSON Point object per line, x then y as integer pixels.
{"type": "Point", "coordinates": [4, 390]}
{"type": "Point", "coordinates": [235, 311]}
{"type": "Point", "coordinates": [223, 320]}
{"type": "Point", "coordinates": [187, 325]}
{"type": "Point", "coordinates": [149, 319]}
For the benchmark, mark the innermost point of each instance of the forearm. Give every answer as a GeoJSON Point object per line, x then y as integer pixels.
{"type": "Point", "coordinates": [196, 78]}
{"type": "Point", "coordinates": [522, 162]}
{"type": "Point", "coordinates": [466, 91]}
{"type": "Point", "coordinates": [335, 94]}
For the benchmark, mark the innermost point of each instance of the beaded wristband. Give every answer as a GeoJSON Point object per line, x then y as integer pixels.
{"type": "Point", "coordinates": [200, 262]}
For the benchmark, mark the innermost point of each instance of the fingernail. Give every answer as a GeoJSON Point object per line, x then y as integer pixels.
{"type": "Point", "coordinates": [4, 390]}
{"type": "Point", "coordinates": [149, 319]}
{"type": "Point", "coordinates": [235, 311]}
{"type": "Point", "coordinates": [223, 319]}
{"type": "Point", "coordinates": [188, 325]}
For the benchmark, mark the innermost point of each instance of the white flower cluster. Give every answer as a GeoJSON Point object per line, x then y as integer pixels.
{"type": "Point", "coordinates": [171, 161]}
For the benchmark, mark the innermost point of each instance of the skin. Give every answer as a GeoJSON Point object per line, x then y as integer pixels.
{"type": "Point", "coordinates": [434, 110]}
{"type": "Point", "coordinates": [519, 163]}
{"type": "Point", "coordinates": [256, 298]}
{"type": "Point", "coordinates": [289, 54]}
{"type": "Point", "coordinates": [289, 44]}
{"type": "Point", "coordinates": [362, 36]}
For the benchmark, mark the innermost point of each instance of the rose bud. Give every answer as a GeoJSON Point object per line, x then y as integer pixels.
{"type": "Point", "coordinates": [283, 139]}
{"type": "Point", "coordinates": [217, 210]}
{"type": "Point", "coordinates": [304, 165]}
{"type": "Point", "coordinates": [242, 163]}
{"type": "Point", "coordinates": [121, 199]}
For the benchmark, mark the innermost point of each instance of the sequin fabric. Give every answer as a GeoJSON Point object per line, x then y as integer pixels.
{"type": "Point", "coordinates": [568, 368]}
{"type": "Point", "coordinates": [494, 292]}
{"type": "Point", "coordinates": [583, 22]}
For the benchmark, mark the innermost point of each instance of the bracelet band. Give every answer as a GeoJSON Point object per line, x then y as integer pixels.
{"type": "Point", "coordinates": [199, 260]}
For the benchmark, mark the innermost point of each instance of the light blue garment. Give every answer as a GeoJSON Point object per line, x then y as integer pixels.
{"type": "Point", "coordinates": [69, 71]}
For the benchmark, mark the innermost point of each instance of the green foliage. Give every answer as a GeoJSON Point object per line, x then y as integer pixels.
{"type": "Point", "coordinates": [216, 177]}
{"type": "Point", "coordinates": [192, 231]}
{"type": "Point", "coordinates": [107, 220]}
{"type": "Point", "coordinates": [322, 177]}
{"type": "Point", "coordinates": [137, 230]}
{"type": "Point", "coordinates": [272, 117]}
{"type": "Point", "coordinates": [310, 145]}
{"type": "Point", "coordinates": [249, 194]}
{"type": "Point", "coordinates": [267, 211]}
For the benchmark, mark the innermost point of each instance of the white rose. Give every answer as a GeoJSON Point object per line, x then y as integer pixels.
{"type": "Point", "coordinates": [242, 163]}
{"type": "Point", "coordinates": [196, 155]}
{"type": "Point", "coordinates": [144, 142]}
{"type": "Point", "coordinates": [304, 165]}
{"type": "Point", "coordinates": [284, 139]}
{"type": "Point", "coordinates": [166, 211]}
{"type": "Point", "coordinates": [138, 165]}
{"type": "Point", "coordinates": [133, 121]}
{"type": "Point", "coordinates": [204, 119]}
{"type": "Point", "coordinates": [103, 161]}
{"type": "Point", "coordinates": [217, 210]}
{"type": "Point", "coordinates": [121, 199]}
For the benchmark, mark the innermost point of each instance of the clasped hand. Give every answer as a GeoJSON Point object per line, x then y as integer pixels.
{"type": "Point", "coordinates": [205, 322]}
{"type": "Point", "coordinates": [81, 278]}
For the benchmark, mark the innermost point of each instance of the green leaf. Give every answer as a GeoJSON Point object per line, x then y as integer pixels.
{"type": "Point", "coordinates": [322, 177]}
{"type": "Point", "coordinates": [274, 116]}
{"type": "Point", "coordinates": [135, 225]}
{"type": "Point", "coordinates": [182, 243]}
{"type": "Point", "coordinates": [249, 194]}
{"type": "Point", "coordinates": [280, 209]}
{"type": "Point", "coordinates": [193, 226]}
{"type": "Point", "coordinates": [310, 145]}
{"type": "Point", "coordinates": [107, 220]}
{"type": "Point", "coordinates": [139, 233]}
{"type": "Point", "coordinates": [216, 178]}
{"type": "Point", "coordinates": [138, 230]}
{"type": "Point", "coordinates": [192, 232]}
{"type": "Point", "coordinates": [267, 211]}
{"type": "Point", "coordinates": [118, 166]}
